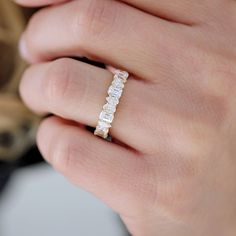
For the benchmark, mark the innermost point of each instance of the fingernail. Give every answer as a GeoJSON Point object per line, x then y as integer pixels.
{"type": "Point", "coordinates": [23, 48]}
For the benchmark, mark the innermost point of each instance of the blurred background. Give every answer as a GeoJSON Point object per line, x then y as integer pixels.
{"type": "Point", "coordinates": [34, 199]}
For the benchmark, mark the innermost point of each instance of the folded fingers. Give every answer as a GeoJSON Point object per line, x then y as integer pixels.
{"type": "Point", "coordinates": [185, 11]}
{"type": "Point", "coordinates": [107, 31]}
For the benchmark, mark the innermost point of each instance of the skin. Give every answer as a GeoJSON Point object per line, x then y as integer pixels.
{"type": "Point", "coordinates": [172, 169]}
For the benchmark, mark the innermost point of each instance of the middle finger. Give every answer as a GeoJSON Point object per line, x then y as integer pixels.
{"type": "Point", "coordinates": [108, 31]}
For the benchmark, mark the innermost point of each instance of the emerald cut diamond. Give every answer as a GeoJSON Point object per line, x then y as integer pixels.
{"type": "Point", "coordinates": [112, 100]}
{"type": "Point", "coordinates": [109, 108]}
{"type": "Point", "coordinates": [118, 83]}
{"type": "Point", "coordinates": [123, 75]}
{"type": "Point", "coordinates": [103, 126]}
{"type": "Point", "coordinates": [115, 92]}
{"type": "Point", "coordinates": [106, 117]}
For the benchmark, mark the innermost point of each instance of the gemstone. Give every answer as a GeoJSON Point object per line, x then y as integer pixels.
{"type": "Point", "coordinates": [118, 83]}
{"type": "Point", "coordinates": [103, 125]}
{"type": "Point", "coordinates": [115, 92]}
{"type": "Point", "coordinates": [109, 108]}
{"type": "Point", "coordinates": [101, 133]}
{"type": "Point", "coordinates": [106, 117]}
{"type": "Point", "coordinates": [123, 75]}
{"type": "Point", "coordinates": [102, 128]}
{"type": "Point", "coordinates": [112, 100]}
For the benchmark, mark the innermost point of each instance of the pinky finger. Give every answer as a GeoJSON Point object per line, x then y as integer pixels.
{"type": "Point", "coordinates": [109, 171]}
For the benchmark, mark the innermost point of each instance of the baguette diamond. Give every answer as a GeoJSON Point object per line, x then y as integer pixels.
{"type": "Point", "coordinates": [118, 83]}
{"type": "Point", "coordinates": [103, 125]}
{"type": "Point", "coordinates": [115, 91]}
{"type": "Point", "coordinates": [106, 117]}
{"type": "Point", "coordinates": [122, 74]}
{"type": "Point", "coordinates": [109, 108]}
{"type": "Point", "coordinates": [112, 100]}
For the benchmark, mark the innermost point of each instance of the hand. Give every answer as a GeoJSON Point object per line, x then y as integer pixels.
{"type": "Point", "coordinates": [174, 169]}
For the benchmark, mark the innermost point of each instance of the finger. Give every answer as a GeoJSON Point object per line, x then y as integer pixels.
{"type": "Point", "coordinates": [77, 91]}
{"type": "Point", "coordinates": [99, 30]}
{"type": "Point", "coordinates": [107, 170]}
{"type": "Point", "coordinates": [184, 11]}
{"type": "Point", "coordinates": [38, 3]}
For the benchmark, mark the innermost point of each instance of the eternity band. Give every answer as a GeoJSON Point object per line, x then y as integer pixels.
{"type": "Point", "coordinates": [115, 91]}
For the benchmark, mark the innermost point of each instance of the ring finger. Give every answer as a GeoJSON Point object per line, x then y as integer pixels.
{"type": "Point", "coordinates": [77, 91]}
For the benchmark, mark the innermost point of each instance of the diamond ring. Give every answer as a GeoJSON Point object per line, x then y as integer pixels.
{"type": "Point", "coordinates": [115, 91]}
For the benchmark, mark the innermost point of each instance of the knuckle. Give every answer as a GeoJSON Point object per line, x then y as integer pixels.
{"type": "Point", "coordinates": [96, 18]}
{"type": "Point", "coordinates": [57, 81]}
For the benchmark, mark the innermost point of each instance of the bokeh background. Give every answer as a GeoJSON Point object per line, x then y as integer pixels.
{"type": "Point", "coordinates": [34, 199]}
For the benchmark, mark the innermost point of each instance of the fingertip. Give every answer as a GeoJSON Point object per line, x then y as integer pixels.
{"type": "Point", "coordinates": [25, 52]}
{"type": "Point", "coordinates": [43, 136]}
{"type": "Point", "coordinates": [48, 132]}
{"type": "Point", "coordinates": [23, 49]}
{"type": "Point", "coordinates": [26, 3]}
{"type": "Point", "coordinates": [38, 3]}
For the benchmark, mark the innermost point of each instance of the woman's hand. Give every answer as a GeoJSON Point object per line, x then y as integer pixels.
{"type": "Point", "coordinates": [174, 169]}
